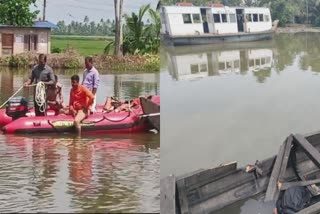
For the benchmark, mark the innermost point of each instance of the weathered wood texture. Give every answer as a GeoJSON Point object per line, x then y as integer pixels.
{"type": "Point", "coordinates": [272, 186]}
{"type": "Point", "coordinates": [168, 195]}
{"type": "Point", "coordinates": [287, 185]}
{"type": "Point", "coordinates": [312, 153]}
{"type": "Point", "coordinates": [314, 209]}
{"type": "Point", "coordinates": [150, 107]}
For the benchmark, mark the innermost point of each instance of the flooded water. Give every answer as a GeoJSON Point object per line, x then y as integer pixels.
{"type": "Point", "coordinates": [237, 102]}
{"type": "Point", "coordinates": [105, 173]}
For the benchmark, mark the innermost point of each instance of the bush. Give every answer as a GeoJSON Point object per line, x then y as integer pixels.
{"type": "Point", "coordinates": [56, 50]}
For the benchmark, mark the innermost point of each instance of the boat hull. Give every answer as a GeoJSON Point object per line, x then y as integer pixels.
{"type": "Point", "coordinates": [207, 39]}
{"type": "Point", "coordinates": [210, 190]}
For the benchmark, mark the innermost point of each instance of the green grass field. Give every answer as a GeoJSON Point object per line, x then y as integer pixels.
{"type": "Point", "coordinates": [85, 45]}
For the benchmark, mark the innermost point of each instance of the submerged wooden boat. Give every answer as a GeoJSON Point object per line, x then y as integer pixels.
{"type": "Point", "coordinates": [210, 190]}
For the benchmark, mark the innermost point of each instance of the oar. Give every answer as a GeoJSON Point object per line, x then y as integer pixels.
{"type": "Point", "coordinates": [11, 96]}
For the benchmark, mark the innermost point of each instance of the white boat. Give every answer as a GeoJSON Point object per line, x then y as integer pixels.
{"type": "Point", "coordinates": [215, 23]}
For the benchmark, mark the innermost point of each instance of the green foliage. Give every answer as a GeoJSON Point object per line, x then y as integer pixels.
{"type": "Point", "coordinates": [16, 61]}
{"type": "Point", "coordinates": [56, 50]}
{"type": "Point", "coordinates": [102, 28]}
{"type": "Point", "coordinates": [84, 45]}
{"type": "Point", "coordinates": [140, 38]}
{"type": "Point", "coordinates": [17, 12]}
{"type": "Point", "coordinates": [109, 48]}
{"type": "Point", "coordinates": [72, 63]}
{"type": "Point", "coordinates": [317, 21]}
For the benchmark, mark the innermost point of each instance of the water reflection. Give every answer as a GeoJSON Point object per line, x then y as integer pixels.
{"type": "Point", "coordinates": [237, 112]}
{"type": "Point", "coordinates": [80, 174]}
{"type": "Point", "coordinates": [186, 63]}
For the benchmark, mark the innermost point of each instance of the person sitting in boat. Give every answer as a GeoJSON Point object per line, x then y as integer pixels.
{"type": "Point", "coordinates": [81, 99]}
{"type": "Point", "coordinates": [113, 104]}
{"type": "Point", "coordinates": [55, 98]}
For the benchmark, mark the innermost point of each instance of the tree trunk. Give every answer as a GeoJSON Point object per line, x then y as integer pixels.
{"type": "Point", "coordinates": [44, 10]}
{"type": "Point", "coordinates": [118, 33]}
{"type": "Point", "coordinates": [121, 28]}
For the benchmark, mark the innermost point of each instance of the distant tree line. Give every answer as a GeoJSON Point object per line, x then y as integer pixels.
{"type": "Point", "coordinates": [86, 28]}
{"type": "Point", "coordinates": [286, 11]}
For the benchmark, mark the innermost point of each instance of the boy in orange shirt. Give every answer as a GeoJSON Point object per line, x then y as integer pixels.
{"type": "Point", "coordinates": [80, 101]}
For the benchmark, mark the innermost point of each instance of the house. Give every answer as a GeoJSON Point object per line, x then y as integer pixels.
{"type": "Point", "coordinates": [20, 39]}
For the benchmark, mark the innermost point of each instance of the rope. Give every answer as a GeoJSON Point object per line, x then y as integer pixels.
{"type": "Point", "coordinates": [40, 96]}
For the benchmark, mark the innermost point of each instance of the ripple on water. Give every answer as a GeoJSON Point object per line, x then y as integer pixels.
{"type": "Point", "coordinates": [79, 175]}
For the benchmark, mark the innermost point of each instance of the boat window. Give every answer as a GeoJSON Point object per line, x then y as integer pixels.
{"type": "Point", "coordinates": [260, 17]}
{"type": "Point", "coordinates": [186, 18]}
{"type": "Point", "coordinates": [203, 68]}
{"type": "Point", "coordinates": [255, 17]}
{"type": "Point", "coordinates": [251, 62]}
{"type": "Point", "coordinates": [229, 65]}
{"type": "Point", "coordinates": [216, 18]}
{"type": "Point", "coordinates": [224, 17]}
{"type": "Point", "coordinates": [221, 66]}
{"type": "Point", "coordinates": [263, 61]}
{"type": "Point", "coordinates": [266, 18]}
{"type": "Point", "coordinates": [194, 68]}
{"type": "Point", "coordinates": [248, 17]}
{"type": "Point", "coordinates": [257, 61]}
{"type": "Point", "coordinates": [196, 18]}
{"type": "Point", "coordinates": [232, 18]}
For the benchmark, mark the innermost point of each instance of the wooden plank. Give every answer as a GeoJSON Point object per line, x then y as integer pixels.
{"type": "Point", "coordinates": [285, 160]}
{"type": "Point", "coordinates": [209, 175]}
{"type": "Point", "coordinates": [168, 194]}
{"type": "Point", "coordinates": [314, 209]}
{"type": "Point", "coordinates": [310, 151]}
{"type": "Point", "coordinates": [232, 196]}
{"type": "Point", "coordinates": [182, 197]}
{"type": "Point", "coordinates": [220, 186]}
{"type": "Point", "coordinates": [272, 186]}
{"type": "Point", "coordinates": [287, 185]}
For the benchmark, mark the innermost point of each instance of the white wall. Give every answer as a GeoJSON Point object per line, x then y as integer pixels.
{"type": "Point", "coordinates": [224, 27]}
{"type": "Point", "coordinates": [258, 26]}
{"type": "Point", "coordinates": [176, 24]}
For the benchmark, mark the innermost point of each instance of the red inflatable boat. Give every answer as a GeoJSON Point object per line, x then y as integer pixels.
{"type": "Point", "coordinates": [99, 122]}
{"type": "Point", "coordinates": [5, 119]}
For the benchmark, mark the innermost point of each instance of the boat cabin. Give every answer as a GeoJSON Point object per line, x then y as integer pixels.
{"type": "Point", "coordinates": [213, 19]}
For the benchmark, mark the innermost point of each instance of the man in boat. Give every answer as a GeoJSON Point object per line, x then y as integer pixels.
{"type": "Point", "coordinates": [81, 99]}
{"type": "Point", "coordinates": [55, 98]}
{"type": "Point", "coordinates": [113, 104]}
{"type": "Point", "coordinates": [44, 73]}
{"type": "Point", "coordinates": [91, 79]}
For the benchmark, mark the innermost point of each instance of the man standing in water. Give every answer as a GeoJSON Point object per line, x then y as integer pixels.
{"type": "Point", "coordinates": [41, 72]}
{"type": "Point", "coordinates": [91, 80]}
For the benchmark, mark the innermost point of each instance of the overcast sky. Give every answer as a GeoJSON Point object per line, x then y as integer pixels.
{"type": "Point", "coordinates": [68, 10]}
